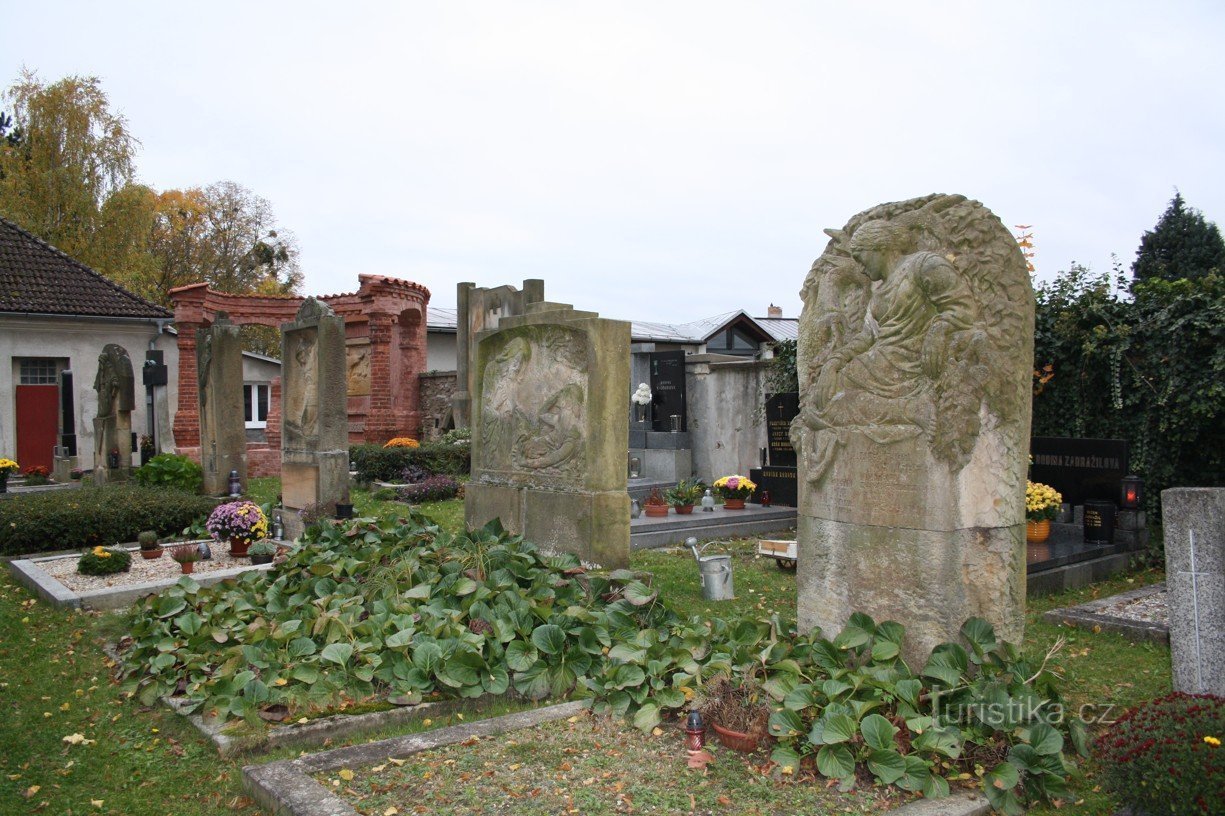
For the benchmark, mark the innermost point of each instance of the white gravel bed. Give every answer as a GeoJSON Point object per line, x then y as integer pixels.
{"type": "Point", "coordinates": [142, 571]}
{"type": "Point", "coordinates": [1149, 609]}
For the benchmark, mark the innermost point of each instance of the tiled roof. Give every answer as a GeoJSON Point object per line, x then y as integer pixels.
{"type": "Point", "coordinates": [36, 278]}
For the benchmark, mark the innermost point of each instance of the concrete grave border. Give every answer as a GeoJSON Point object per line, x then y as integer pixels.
{"type": "Point", "coordinates": [286, 788]}
{"type": "Point", "coordinates": [310, 734]}
{"type": "Point", "coordinates": [1090, 615]}
{"type": "Point", "coordinates": [28, 572]}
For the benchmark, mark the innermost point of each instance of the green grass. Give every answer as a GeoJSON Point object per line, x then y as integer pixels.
{"type": "Point", "coordinates": [587, 765]}
{"type": "Point", "coordinates": [55, 682]}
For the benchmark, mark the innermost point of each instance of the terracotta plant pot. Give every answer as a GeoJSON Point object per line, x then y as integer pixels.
{"type": "Point", "coordinates": [656, 510]}
{"type": "Point", "coordinates": [150, 555]}
{"type": "Point", "coordinates": [736, 740]}
{"type": "Point", "coordinates": [238, 547]}
{"type": "Point", "coordinates": [683, 509]}
{"type": "Point", "coordinates": [733, 504]}
{"type": "Point", "coordinates": [1037, 532]}
{"type": "Point", "coordinates": [188, 567]}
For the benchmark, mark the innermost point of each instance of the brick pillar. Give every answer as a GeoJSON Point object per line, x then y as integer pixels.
{"type": "Point", "coordinates": [187, 415]}
{"type": "Point", "coordinates": [272, 431]}
{"type": "Point", "coordinates": [381, 423]}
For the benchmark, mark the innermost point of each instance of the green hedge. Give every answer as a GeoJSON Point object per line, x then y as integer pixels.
{"type": "Point", "coordinates": [374, 462]}
{"type": "Point", "coordinates": [89, 516]}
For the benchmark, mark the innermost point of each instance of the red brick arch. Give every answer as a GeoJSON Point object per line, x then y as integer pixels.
{"type": "Point", "coordinates": [387, 313]}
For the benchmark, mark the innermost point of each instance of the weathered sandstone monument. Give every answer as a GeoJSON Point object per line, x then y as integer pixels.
{"type": "Point", "coordinates": [915, 357]}
{"type": "Point", "coordinates": [549, 432]}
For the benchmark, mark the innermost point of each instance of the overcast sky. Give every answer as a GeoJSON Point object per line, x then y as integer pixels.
{"type": "Point", "coordinates": [652, 160]}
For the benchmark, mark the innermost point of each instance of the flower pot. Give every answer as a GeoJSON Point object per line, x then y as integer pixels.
{"type": "Point", "coordinates": [656, 510]}
{"type": "Point", "coordinates": [188, 567]}
{"type": "Point", "coordinates": [1036, 553]}
{"type": "Point", "coordinates": [736, 740]}
{"type": "Point", "coordinates": [733, 504]}
{"type": "Point", "coordinates": [150, 555]}
{"type": "Point", "coordinates": [238, 547]}
{"type": "Point", "coordinates": [1037, 532]}
{"type": "Point", "coordinates": [683, 509]}
{"type": "Point", "coordinates": [262, 559]}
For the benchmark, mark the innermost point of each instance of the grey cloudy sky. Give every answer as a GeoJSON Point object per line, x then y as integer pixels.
{"type": "Point", "coordinates": [652, 160]}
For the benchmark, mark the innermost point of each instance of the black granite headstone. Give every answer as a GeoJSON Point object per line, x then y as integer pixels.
{"type": "Point", "coordinates": [668, 390]}
{"type": "Point", "coordinates": [780, 410]}
{"type": "Point", "coordinates": [781, 481]}
{"type": "Point", "coordinates": [1080, 469]}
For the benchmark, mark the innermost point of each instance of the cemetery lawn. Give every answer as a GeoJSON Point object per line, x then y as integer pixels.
{"type": "Point", "coordinates": [55, 682]}
{"type": "Point", "coordinates": [589, 765]}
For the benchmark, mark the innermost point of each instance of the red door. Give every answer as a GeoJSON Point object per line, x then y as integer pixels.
{"type": "Point", "coordinates": [37, 424]}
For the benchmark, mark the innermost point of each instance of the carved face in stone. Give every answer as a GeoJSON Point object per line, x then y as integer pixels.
{"type": "Point", "coordinates": [875, 246]}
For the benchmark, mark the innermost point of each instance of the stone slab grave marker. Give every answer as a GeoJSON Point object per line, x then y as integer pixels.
{"type": "Point", "coordinates": [914, 358]}
{"type": "Point", "coordinates": [223, 438]}
{"type": "Point", "coordinates": [116, 387]}
{"type": "Point", "coordinates": [314, 423]}
{"type": "Point", "coordinates": [1194, 522]}
{"type": "Point", "coordinates": [549, 431]}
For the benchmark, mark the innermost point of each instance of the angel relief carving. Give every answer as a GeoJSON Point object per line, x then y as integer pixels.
{"type": "Point", "coordinates": [904, 321]}
{"type": "Point", "coordinates": [533, 404]}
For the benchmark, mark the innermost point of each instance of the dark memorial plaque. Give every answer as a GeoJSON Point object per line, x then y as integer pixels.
{"type": "Point", "coordinates": [1080, 469]}
{"type": "Point", "coordinates": [667, 390]}
{"type": "Point", "coordinates": [780, 410]}
{"type": "Point", "coordinates": [781, 482]}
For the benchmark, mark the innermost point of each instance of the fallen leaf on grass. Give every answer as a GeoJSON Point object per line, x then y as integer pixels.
{"type": "Point", "coordinates": [346, 774]}
{"type": "Point", "coordinates": [78, 739]}
{"type": "Point", "coordinates": [723, 800]}
{"type": "Point", "coordinates": [391, 811]}
{"type": "Point", "coordinates": [33, 789]}
{"type": "Point", "coordinates": [96, 802]}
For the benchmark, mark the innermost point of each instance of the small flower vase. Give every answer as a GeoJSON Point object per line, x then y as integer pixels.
{"type": "Point", "coordinates": [1036, 532]}
{"type": "Point", "coordinates": [733, 504]}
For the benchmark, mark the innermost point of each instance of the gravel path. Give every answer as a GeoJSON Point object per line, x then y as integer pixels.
{"type": "Point", "coordinates": [142, 571]}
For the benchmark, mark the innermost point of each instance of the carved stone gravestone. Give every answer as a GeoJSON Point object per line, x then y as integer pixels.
{"type": "Point", "coordinates": [1194, 521]}
{"type": "Point", "coordinates": [549, 431]}
{"type": "Point", "coordinates": [314, 420]}
{"type": "Point", "coordinates": [223, 438]}
{"type": "Point", "coordinates": [116, 389]}
{"type": "Point", "coordinates": [914, 357]}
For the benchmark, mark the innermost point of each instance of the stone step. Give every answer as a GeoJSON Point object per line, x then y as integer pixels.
{"type": "Point", "coordinates": [671, 530]}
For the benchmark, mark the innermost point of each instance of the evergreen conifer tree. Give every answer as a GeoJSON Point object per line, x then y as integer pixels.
{"type": "Point", "coordinates": [1184, 244]}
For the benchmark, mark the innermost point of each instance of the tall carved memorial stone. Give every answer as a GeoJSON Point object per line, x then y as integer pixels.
{"type": "Point", "coordinates": [549, 431]}
{"type": "Point", "coordinates": [223, 438]}
{"type": "Point", "coordinates": [113, 425]}
{"type": "Point", "coordinates": [914, 356]}
{"type": "Point", "coordinates": [314, 421]}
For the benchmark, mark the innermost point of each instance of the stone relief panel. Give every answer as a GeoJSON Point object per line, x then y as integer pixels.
{"type": "Point", "coordinates": [357, 366]}
{"type": "Point", "coordinates": [916, 336]}
{"type": "Point", "coordinates": [300, 421]}
{"type": "Point", "coordinates": [534, 403]}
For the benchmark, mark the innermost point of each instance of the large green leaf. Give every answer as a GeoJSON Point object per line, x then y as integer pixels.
{"type": "Point", "coordinates": [300, 647]}
{"type": "Point", "coordinates": [647, 717]}
{"type": "Point", "coordinates": [878, 732]}
{"type": "Point", "coordinates": [836, 761]}
{"type": "Point", "coordinates": [170, 605]}
{"type": "Point", "coordinates": [520, 655]}
{"type": "Point", "coordinates": [786, 723]}
{"type": "Point", "coordinates": [948, 664]}
{"type": "Point", "coordinates": [887, 765]}
{"type": "Point", "coordinates": [1045, 739]}
{"type": "Point", "coordinates": [338, 653]}
{"type": "Point", "coordinates": [549, 638]}
{"type": "Point", "coordinates": [400, 639]}
{"type": "Point", "coordinates": [945, 741]}
{"type": "Point", "coordinates": [786, 757]}
{"type": "Point", "coordinates": [917, 775]}
{"type": "Point", "coordinates": [831, 729]}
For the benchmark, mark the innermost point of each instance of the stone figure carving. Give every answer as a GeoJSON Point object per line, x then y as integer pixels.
{"type": "Point", "coordinates": [358, 373]}
{"type": "Point", "coordinates": [534, 404]}
{"type": "Point", "coordinates": [302, 410]}
{"type": "Point", "coordinates": [114, 382]}
{"type": "Point", "coordinates": [902, 331]}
